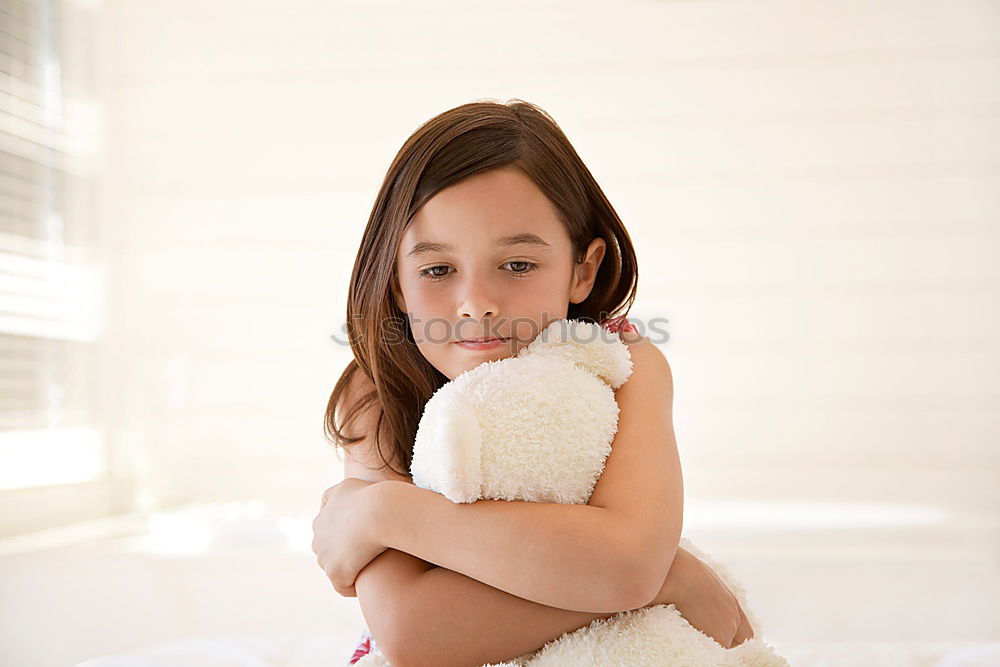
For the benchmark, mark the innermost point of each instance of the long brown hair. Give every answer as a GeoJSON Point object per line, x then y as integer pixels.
{"type": "Point", "coordinates": [466, 140]}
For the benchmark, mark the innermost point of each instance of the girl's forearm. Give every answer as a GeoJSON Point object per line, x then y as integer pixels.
{"type": "Point", "coordinates": [572, 557]}
{"type": "Point", "coordinates": [446, 618]}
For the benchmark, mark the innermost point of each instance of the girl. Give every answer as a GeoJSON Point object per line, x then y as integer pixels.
{"type": "Point", "coordinates": [487, 227]}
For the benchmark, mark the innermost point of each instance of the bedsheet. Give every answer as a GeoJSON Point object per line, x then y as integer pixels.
{"type": "Point", "coordinates": [333, 651]}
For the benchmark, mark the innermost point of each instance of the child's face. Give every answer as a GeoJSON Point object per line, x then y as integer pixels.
{"type": "Point", "coordinates": [475, 289]}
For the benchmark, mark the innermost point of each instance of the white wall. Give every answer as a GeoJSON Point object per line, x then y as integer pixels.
{"type": "Point", "coordinates": [811, 187]}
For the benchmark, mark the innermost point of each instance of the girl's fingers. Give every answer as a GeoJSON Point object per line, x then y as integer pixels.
{"type": "Point", "coordinates": [346, 591]}
{"type": "Point", "coordinates": [326, 497]}
{"type": "Point", "coordinates": [744, 632]}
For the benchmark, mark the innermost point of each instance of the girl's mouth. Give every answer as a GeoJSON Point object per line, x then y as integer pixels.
{"type": "Point", "coordinates": [482, 343]}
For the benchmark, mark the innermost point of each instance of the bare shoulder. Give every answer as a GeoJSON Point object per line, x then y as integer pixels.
{"type": "Point", "coordinates": [358, 423]}
{"type": "Point", "coordinates": [647, 358]}
{"type": "Point", "coordinates": [362, 460]}
{"type": "Point", "coordinates": [650, 386]}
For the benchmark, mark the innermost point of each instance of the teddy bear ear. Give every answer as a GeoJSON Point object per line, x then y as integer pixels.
{"type": "Point", "coordinates": [586, 344]}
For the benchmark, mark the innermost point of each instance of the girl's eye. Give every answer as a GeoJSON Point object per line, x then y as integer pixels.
{"type": "Point", "coordinates": [430, 272]}
{"type": "Point", "coordinates": [427, 273]}
{"type": "Point", "coordinates": [529, 267]}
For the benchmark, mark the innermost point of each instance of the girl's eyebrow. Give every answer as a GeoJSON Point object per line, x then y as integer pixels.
{"type": "Point", "coordinates": [526, 238]}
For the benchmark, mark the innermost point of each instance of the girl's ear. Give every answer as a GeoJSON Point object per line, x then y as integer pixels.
{"type": "Point", "coordinates": [585, 272]}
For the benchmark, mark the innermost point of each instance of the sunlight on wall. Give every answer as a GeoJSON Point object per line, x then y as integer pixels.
{"type": "Point", "coordinates": [50, 456]}
{"type": "Point", "coordinates": [759, 516]}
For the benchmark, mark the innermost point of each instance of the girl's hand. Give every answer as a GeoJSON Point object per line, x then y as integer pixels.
{"type": "Point", "coordinates": [344, 536]}
{"type": "Point", "coordinates": [704, 600]}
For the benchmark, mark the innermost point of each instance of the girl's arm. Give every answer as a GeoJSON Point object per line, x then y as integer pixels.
{"type": "Point", "coordinates": [608, 555]}
{"type": "Point", "coordinates": [421, 614]}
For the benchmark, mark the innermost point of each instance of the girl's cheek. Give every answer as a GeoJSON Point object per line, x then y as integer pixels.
{"type": "Point", "coordinates": [422, 303]}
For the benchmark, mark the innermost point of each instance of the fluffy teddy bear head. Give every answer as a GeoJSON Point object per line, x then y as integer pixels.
{"type": "Point", "coordinates": [537, 426]}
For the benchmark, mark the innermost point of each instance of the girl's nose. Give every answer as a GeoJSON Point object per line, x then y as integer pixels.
{"type": "Point", "coordinates": [478, 303]}
{"type": "Point", "coordinates": [476, 312]}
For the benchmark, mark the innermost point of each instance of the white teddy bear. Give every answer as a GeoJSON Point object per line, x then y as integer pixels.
{"type": "Point", "coordinates": [538, 427]}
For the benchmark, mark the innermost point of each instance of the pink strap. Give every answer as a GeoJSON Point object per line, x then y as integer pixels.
{"type": "Point", "coordinates": [619, 324]}
{"type": "Point", "coordinates": [361, 651]}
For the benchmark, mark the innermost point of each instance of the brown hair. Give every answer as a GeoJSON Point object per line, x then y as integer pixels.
{"type": "Point", "coordinates": [449, 147]}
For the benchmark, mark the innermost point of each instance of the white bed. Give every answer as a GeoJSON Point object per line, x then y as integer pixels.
{"type": "Point", "coordinates": [334, 651]}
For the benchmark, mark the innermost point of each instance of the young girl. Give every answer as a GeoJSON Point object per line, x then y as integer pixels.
{"type": "Point", "coordinates": [487, 227]}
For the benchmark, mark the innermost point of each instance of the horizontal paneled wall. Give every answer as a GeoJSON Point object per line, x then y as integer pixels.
{"type": "Point", "coordinates": [810, 186]}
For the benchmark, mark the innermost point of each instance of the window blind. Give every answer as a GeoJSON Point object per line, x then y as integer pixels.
{"type": "Point", "coordinates": [50, 280]}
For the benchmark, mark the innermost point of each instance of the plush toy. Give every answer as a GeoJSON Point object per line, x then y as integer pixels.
{"type": "Point", "coordinates": [538, 427]}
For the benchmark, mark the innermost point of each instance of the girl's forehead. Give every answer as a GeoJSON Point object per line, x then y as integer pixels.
{"type": "Point", "coordinates": [419, 242]}
{"type": "Point", "coordinates": [500, 200]}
